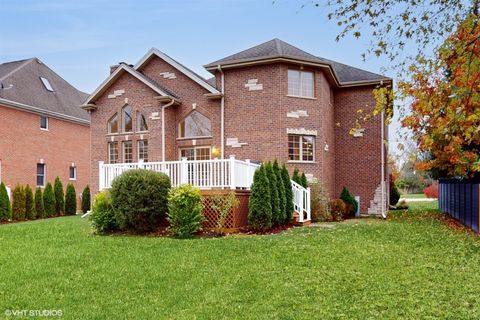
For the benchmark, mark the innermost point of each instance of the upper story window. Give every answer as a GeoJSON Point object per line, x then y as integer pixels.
{"type": "Point", "coordinates": [300, 83]}
{"type": "Point", "coordinates": [301, 148]}
{"type": "Point", "coordinates": [47, 84]}
{"type": "Point", "coordinates": [141, 122]}
{"type": "Point", "coordinates": [113, 124]}
{"type": "Point", "coordinates": [43, 122]}
{"type": "Point", "coordinates": [195, 125]}
{"type": "Point", "coordinates": [127, 124]}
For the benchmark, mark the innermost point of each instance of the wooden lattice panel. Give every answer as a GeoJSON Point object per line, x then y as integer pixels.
{"type": "Point", "coordinates": [236, 219]}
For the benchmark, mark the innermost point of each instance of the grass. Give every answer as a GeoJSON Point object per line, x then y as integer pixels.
{"type": "Point", "coordinates": [410, 266]}
{"type": "Point", "coordinates": [413, 196]}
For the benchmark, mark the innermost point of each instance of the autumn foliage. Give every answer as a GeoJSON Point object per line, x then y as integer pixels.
{"type": "Point", "coordinates": [445, 112]}
{"type": "Point", "coordinates": [431, 191]}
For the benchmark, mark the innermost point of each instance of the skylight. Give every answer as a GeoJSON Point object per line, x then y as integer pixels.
{"type": "Point", "coordinates": [47, 84]}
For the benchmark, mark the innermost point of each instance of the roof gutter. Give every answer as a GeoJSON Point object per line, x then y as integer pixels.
{"type": "Point", "coordinates": [37, 110]}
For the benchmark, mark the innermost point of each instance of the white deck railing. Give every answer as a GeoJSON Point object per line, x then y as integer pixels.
{"type": "Point", "coordinates": [206, 174]}
{"type": "Point", "coordinates": [301, 202]}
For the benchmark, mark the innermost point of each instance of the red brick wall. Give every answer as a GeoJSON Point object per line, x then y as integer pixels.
{"type": "Point", "coordinates": [23, 144]}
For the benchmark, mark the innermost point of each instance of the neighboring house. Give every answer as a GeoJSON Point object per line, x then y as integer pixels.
{"type": "Point", "coordinates": [270, 101]}
{"type": "Point", "coordinates": [44, 133]}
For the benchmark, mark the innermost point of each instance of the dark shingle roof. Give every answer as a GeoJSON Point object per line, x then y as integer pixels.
{"type": "Point", "coordinates": [277, 48]}
{"type": "Point", "coordinates": [20, 82]}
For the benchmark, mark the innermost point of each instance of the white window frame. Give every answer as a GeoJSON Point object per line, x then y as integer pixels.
{"type": "Point", "coordinates": [195, 151]}
{"type": "Point", "coordinates": [138, 149]}
{"type": "Point", "coordinates": [301, 74]}
{"type": "Point", "coordinates": [131, 118]}
{"type": "Point", "coordinates": [47, 84]}
{"type": "Point", "coordinates": [300, 149]}
{"type": "Point", "coordinates": [44, 175]}
{"type": "Point", "coordinates": [110, 151]}
{"type": "Point", "coordinates": [74, 173]}
{"type": "Point", "coordinates": [124, 144]}
{"type": "Point", "coordinates": [47, 123]}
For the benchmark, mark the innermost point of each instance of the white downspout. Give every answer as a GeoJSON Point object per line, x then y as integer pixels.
{"type": "Point", "coordinates": [383, 186]}
{"type": "Point", "coordinates": [163, 127]}
{"type": "Point", "coordinates": [222, 115]}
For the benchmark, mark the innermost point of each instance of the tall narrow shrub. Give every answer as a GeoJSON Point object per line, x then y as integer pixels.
{"type": "Point", "coordinates": [59, 197]}
{"type": "Point", "coordinates": [303, 180]}
{"type": "Point", "coordinates": [350, 202]}
{"type": "Point", "coordinates": [296, 176]}
{"type": "Point", "coordinates": [5, 208]}
{"type": "Point", "coordinates": [18, 203]}
{"type": "Point", "coordinates": [260, 206]}
{"type": "Point", "coordinates": [49, 201]}
{"type": "Point", "coordinates": [70, 200]}
{"type": "Point", "coordinates": [288, 194]}
{"type": "Point", "coordinates": [281, 192]}
{"type": "Point", "coordinates": [86, 199]}
{"type": "Point", "coordinates": [39, 208]}
{"type": "Point", "coordinates": [29, 203]}
{"type": "Point", "coordinates": [274, 198]}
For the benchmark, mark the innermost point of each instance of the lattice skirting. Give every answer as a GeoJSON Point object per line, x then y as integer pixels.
{"type": "Point", "coordinates": [236, 219]}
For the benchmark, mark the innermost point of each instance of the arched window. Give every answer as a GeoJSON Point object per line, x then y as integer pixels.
{"type": "Point", "coordinates": [127, 119]}
{"type": "Point", "coordinates": [141, 122]}
{"type": "Point", "coordinates": [195, 125]}
{"type": "Point", "coordinates": [113, 124]}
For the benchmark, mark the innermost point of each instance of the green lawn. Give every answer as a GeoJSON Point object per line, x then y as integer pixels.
{"type": "Point", "coordinates": [410, 266]}
{"type": "Point", "coordinates": [413, 196]}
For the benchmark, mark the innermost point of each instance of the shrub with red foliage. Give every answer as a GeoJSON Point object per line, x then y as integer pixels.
{"type": "Point", "coordinates": [431, 191]}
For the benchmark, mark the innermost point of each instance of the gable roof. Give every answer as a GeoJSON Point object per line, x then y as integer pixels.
{"type": "Point", "coordinates": [21, 87]}
{"type": "Point", "coordinates": [276, 49]}
{"type": "Point", "coordinates": [177, 65]}
{"type": "Point", "coordinates": [121, 69]}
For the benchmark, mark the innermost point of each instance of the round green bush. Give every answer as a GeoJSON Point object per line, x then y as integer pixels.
{"type": "Point", "coordinates": [350, 202]}
{"type": "Point", "coordinates": [185, 211]}
{"type": "Point", "coordinates": [102, 217]}
{"type": "Point", "coordinates": [139, 199]}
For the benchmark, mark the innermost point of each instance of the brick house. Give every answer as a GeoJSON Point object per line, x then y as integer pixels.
{"type": "Point", "coordinates": [270, 101]}
{"type": "Point", "coordinates": [44, 134]}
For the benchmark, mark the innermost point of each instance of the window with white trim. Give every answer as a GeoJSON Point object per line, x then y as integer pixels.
{"type": "Point", "coordinates": [127, 151]}
{"type": "Point", "coordinates": [127, 121]}
{"type": "Point", "coordinates": [113, 124]}
{"type": "Point", "coordinates": [195, 125]}
{"type": "Point", "coordinates": [196, 153]}
{"type": "Point", "coordinates": [141, 122]}
{"type": "Point", "coordinates": [72, 173]}
{"type": "Point", "coordinates": [301, 148]}
{"type": "Point", "coordinates": [44, 122]}
{"type": "Point", "coordinates": [300, 83]}
{"type": "Point", "coordinates": [143, 150]}
{"type": "Point", "coordinates": [113, 152]}
{"type": "Point", "coordinates": [40, 174]}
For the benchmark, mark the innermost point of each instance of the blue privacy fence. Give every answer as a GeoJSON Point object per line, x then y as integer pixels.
{"type": "Point", "coordinates": [459, 198]}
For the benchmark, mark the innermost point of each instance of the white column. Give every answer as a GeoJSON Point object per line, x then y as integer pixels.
{"type": "Point", "coordinates": [184, 170]}
{"type": "Point", "coordinates": [232, 171]}
{"type": "Point", "coordinates": [249, 174]}
{"type": "Point", "coordinates": [101, 175]}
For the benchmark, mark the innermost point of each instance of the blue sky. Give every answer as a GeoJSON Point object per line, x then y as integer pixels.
{"type": "Point", "coordinates": [81, 39]}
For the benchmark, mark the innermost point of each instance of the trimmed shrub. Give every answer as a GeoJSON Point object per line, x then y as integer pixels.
{"type": "Point", "coordinates": [350, 202]}
{"type": "Point", "coordinates": [394, 193]}
{"type": "Point", "coordinates": [18, 203]}
{"type": "Point", "coordinates": [296, 176]}
{"type": "Point", "coordinates": [431, 191]}
{"type": "Point", "coordinates": [223, 205]}
{"type": "Point", "coordinates": [281, 193]}
{"type": "Point", "coordinates": [29, 203]}
{"type": "Point", "coordinates": [185, 211]}
{"type": "Point", "coordinates": [49, 201]}
{"type": "Point", "coordinates": [39, 208]}
{"type": "Point", "coordinates": [338, 209]}
{"type": "Point", "coordinates": [288, 195]}
{"type": "Point", "coordinates": [139, 199]}
{"type": "Point", "coordinates": [274, 198]}
{"type": "Point", "coordinates": [86, 199]}
{"type": "Point", "coordinates": [102, 217]}
{"type": "Point", "coordinates": [260, 205]}
{"type": "Point", "coordinates": [5, 208]}
{"type": "Point", "coordinates": [303, 180]}
{"type": "Point", "coordinates": [59, 197]}
{"type": "Point", "coordinates": [320, 203]}
{"type": "Point", "coordinates": [70, 200]}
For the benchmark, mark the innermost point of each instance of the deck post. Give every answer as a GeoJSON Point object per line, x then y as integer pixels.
{"type": "Point", "coordinates": [232, 172]}
{"type": "Point", "coordinates": [101, 175]}
{"type": "Point", "coordinates": [184, 170]}
{"type": "Point", "coordinates": [249, 172]}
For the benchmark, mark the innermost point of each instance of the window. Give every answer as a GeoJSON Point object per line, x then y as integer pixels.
{"type": "Point", "coordinates": [143, 150]}
{"type": "Point", "coordinates": [46, 84]}
{"type": "Point", "coordinates": [195, 125]}
{"type": "Point", "coordinates": [113, 152]}
{"type": "Point", "coordinates": [43, 122]}
{"type": "Point", "coordinates": [127, 119]}
{"type": "Point", "coordinates": [196, 153]}
{"type": "Point", "coordinates": [40, 174]}
{"type": "Point", "coordinates": [301, 148]}
{"type": "Point", "coordinates": [127, 152]}
{"type": "Point", "coordinates": [141, 122]}
{"type": "Point", "coordinates": [72, 173]}
{"type": "Point", "coordinates": [113, 124]}
{"type": "Point", "coordinates": [300, 83]}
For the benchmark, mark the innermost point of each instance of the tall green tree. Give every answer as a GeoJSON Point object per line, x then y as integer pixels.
{"type": "Point", "coordinates": [59, 197]}
{"type": "Point", "coordinates": [18, 203]}
{"type": "Point", "coordinates": [274, 197]}
{"type": "Point", "coordinates": [86, 199]}
{"type": "Point", "coordinates": [303, 180]}
{"type": "Point", "coordinates": [70, 200]}
{"type": "Point", "coordinates": [39, 207]}
{"type": "Point", "coordinates": [5, 208]}
{"type": "Point", "coordinates": [29, 203]}
{"type": "Point", "coordinates": [281, 192]}
{"type": "Point", "coordinates": [49, 201]}
{"type": "Point", "coordinates": [289, 208]}
{"type": "Point", "coordinates": [260, 205]}
{"type": "Point", "coordinates": [296, 176]}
